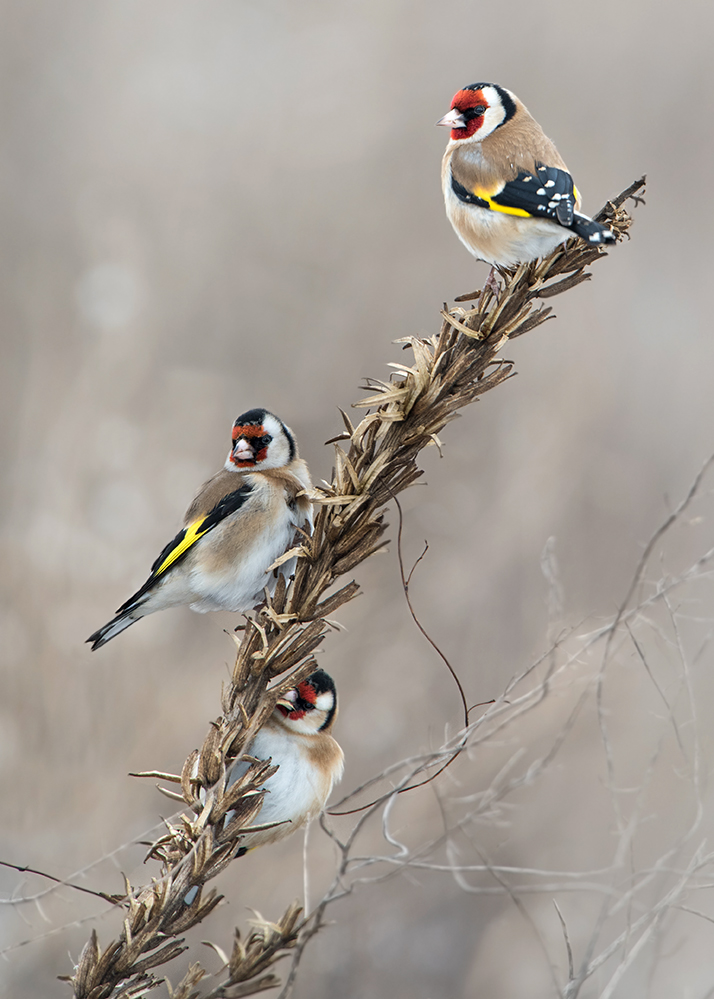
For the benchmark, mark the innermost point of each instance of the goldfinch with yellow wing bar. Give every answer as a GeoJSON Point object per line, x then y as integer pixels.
{"type": "Point", "coordinates": [241, 521]}
{"type": "Point", "coordinates": [508, 193]}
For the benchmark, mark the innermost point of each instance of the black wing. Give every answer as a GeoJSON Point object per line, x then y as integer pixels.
{"type": "Point", "coordinates": [547, 193]}
{"type": "Point", "coordinates": [187, 537]}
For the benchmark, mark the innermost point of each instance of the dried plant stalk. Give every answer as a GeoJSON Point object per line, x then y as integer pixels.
{"type": "Point", "coordinates": [374, 461]}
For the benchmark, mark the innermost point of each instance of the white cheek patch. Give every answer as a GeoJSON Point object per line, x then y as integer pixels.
{"type": "Point", "coordinates": [278, 454]}
{"type": "Point", "coordinates": [272, 426]}
{"type": "Point", "coordinates": [324, 701]}
{"type": "Point", "coordinates": [495, 113]}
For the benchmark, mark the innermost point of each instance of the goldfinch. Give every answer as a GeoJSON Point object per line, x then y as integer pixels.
{"type": "Point", "coordinates": [508, 193]}
{"type": "Point", "coordinates": [310, 762]}
{"type": "Point", "coordinates": [240, 522]}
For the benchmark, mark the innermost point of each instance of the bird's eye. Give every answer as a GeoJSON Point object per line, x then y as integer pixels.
{"type": "Point", "coordinates": [475, 112]}
{"type": "Point", "coordinates": [266, 440]}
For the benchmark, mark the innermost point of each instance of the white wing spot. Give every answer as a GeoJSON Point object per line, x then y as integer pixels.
{"type": "Point", "coordinates": [540, 192]}
{"type": "Point", "coordinates": [550, 183]}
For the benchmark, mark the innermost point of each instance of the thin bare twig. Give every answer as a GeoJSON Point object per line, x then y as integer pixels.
{"type": "Point", "coordinates": [378, 460]}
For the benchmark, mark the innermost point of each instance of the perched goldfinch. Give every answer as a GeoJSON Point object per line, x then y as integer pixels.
{"type": "Point", "coordinates": [297, 739]}
{"type": "Point", "coordinates": [508, 193]}
{"type": "Point", "coordinates": [240, 522]}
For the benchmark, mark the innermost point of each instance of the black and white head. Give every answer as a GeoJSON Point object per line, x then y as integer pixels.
{"type": "Point", "coordinates": [310, 707]}
{"type": "Point", "coordinates": [478, 110]}
{"type": "Point", "coordinates": [260, 440]}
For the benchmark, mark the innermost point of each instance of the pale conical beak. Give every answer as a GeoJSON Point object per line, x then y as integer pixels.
{"type": "Point", "coordinates": [288, 700]}
{"type": "Point", "coordinates": [454, 119]}
{"type": "Point", "coordinates": [243, 451]}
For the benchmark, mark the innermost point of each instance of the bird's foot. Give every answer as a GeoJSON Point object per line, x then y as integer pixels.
{"type": "Point", "coordinates": [492, 283]}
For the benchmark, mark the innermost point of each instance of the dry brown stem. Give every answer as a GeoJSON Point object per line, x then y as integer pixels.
{"type": "Point", "coordinates": [374, 461]}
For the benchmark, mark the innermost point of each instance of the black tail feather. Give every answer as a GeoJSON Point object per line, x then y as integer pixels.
{"type": "Point", "coordinates": [591, 231]}
{"type": "Point", "coordinates": [112, 628]}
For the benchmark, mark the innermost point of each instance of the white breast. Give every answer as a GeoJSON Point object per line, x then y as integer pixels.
{"type": "Point", "coordinates": [236, 582]}
{"type": "Point", "coordinates": [498, 238]}
{"type": "Point", "coordinates": [296, 793]}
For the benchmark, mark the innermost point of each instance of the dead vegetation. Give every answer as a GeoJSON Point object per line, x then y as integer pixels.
{"type": "Point", "coordinates": [374, 461]}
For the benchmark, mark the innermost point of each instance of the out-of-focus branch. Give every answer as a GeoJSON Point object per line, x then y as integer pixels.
{"type": "Point", "coordinates": [640, 890]}
{"type": "Point", "coordinates": [374, 461]}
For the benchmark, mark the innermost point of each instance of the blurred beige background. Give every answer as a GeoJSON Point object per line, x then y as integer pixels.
{"type": "Point", "coordinates": [218, 205]}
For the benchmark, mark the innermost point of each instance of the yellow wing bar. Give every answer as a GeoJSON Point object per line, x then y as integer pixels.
{"type": "Point", "coordinates": [190, 536]}
{"type": "Point", "coordinates": [487, 196]}
{"type": "Point", "coordinates": [194, 531]}
{"type": "Point", "coordinates": [545, 193]}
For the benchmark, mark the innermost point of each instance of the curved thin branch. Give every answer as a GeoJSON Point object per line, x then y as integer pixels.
{"type": "Point", "coordinates": [374, 461]}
